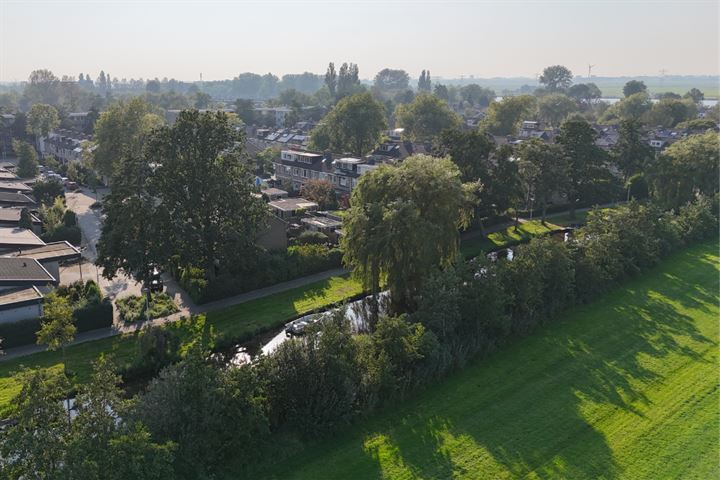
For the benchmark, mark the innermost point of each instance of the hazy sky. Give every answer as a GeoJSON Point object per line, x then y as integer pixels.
{"type": "Point", "coordinates": [180, 39]}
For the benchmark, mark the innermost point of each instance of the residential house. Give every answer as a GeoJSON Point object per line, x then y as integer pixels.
{"type": "Point", "coordinates": [14, 199]}
{"type": "Point", "coordinates": [65, 145]}
{"type": "Point", "coordinates": [20, 282]}
{"type": "Point", "coordinates": [274, 237]}
{"type": "Point", "coordinates": [328, 225]}
{"type": "Point", "coordinates": [287, 208]}
{"type": "Point", "coordinates": [274, 193]}
{"type": "Point", "coordinates": [13, 239]}
{"type": "Point", "coordinates": [49, 255]}
{"type": "Point", "coordinates": [10, 217]}
{"type": "Point", "coordinates": [278, 113]}
{"type": "Point", "coordinates": [295, 168]}
{"type": "Point", "coordinates": [12, 186]}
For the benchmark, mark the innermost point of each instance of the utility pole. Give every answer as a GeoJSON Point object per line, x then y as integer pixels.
{"type": "Point", "coordinates": [590, 67]}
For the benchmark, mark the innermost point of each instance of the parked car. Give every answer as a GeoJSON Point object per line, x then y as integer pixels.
{"type": "Point", "coordinates": [296, 327]}
{"type": "Point", "coordinates": [71, 186]}
{"type": "Point", "coordinates": [156, 282]}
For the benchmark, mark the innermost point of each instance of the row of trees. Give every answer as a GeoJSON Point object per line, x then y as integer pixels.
{"type": "Point", "coordinates": [198, 418]}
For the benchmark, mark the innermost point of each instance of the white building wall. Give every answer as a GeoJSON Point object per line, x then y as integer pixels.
{"type": "Point", "coordinates": [21, 313]}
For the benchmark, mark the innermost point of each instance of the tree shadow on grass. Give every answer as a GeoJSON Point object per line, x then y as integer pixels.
{"type": "Point", "coordinates": [543, 427]}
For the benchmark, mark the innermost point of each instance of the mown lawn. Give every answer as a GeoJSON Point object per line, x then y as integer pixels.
{"type": "Point", "coordinates": [565, 221]}
{"type": "Point", "coordinates": [237, 322]}
{"type": "Point", "coordinates": [475, 246]}
{"type": "Point", "coordinates": [625, 387]}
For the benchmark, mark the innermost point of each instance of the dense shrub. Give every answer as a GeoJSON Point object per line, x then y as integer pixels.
{"type": "Point", "coordinates": [309, 237]}
{"type": "Point", "coordinates": [20, 333]}
{"type": "Point", "coordinates": [93, 315]}
{"type": "Point", "coordinates": [64, 233]}
{"type": "Point", "coordinates": [323, 380]}
{"type": "Point", "coordinates": [269, 268]}
{"type": "Point", "coordinates": [90, 311]}
{"type": "Point", "coordinates": [134, 308]}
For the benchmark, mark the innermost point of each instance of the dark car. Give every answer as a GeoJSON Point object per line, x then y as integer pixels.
{"type": "Point", "coordinates": [296, 327]}
{"type": "Point", "coordinates": [156, 281]}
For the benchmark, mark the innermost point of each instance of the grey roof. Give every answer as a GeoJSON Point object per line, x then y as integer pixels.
{"type": "Point", "coordinates": [16, 198]}
{"type": "Point", "coordinates": [19, 297]}
{"type": "Point", "coordinates": [55, 251]}
{"type": "Point", "coordinates": [18, 237]}
{"type": "Point", "coordinates": [23, 271]}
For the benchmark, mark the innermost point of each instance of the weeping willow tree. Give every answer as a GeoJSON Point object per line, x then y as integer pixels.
{"type": "Point", "coordinates": [403, 224]}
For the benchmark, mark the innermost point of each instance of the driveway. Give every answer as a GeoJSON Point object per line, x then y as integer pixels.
{"type": "Point", "coordinates": [90, 223]}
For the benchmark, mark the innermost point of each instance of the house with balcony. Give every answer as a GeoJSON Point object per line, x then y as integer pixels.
{"type": "Point", "coordinates": [294, 168]}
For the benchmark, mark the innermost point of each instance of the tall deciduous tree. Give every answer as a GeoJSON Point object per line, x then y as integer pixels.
{"type": "Point", "coordinates": [424, 82]}
{"type": "Point", "coordinates": [634, 86]}
{"type": "Point", "coordinates": [584, 160]}
{"type": "Point", "coordinates": [555, 108]}
{"type": "Point", "coordinates": [403, 223]}
{"type": "Point", "coordinates": [122, 130]}
{"type": "Point", "coordinates": [41, 120]}
{"type": "Point", "coordinates": [556, 77]}
{"type": "Point", "coordinates": [585, 92]}
{"type": "Point", "coordinates": [389, 80]}
{"type": "Point", "coordinates": [354, 125]}
{"type": "Point", "coordinates": [27, 159]}
{"type": "Point", "coordinates": [425, 117]}
{"type": "Point", "coordinates": [42, 87]}
{"type": "Point", "coordinates": [504, 117]}
{"type": "Point", "coordinates": [204, 191]}
{"type": "Point", "coordinates": [57, 328]}
{"type": "Point", "coordinates": [321, 192]}
{"type": "Point", "coordinates": [331, 78]}
{"type": "Point", "coordinates": [348, 81]}
{"type": "Point", "coordinates": [132, 240]}
{"type": "Point", "coordinates": [685, 169]}
{"type": "Point", "coordinates": [541, 170]}
{"type": "Point", "coordinates": [631, 153]}
{"type": "Point", "coordinates": [33, 447]}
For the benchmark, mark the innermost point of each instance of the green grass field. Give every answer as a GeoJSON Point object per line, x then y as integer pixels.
{"type": "Point", "coordinates": [565, 221]}
{"type": "Point", "coordinates": [625, 387]}
{"type": "Point", "coordinates": [239, 321]}
{"type": "Point", "coordinates": [475, 246]}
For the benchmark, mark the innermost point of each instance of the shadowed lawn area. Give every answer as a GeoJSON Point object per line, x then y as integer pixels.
{"type": "Point", "coordinates": [237, 322]}
{"type": "Point", "coordinates": [625, 387]}
{"type": "Point", "coordinates": [475, 246]}
{"type": "Point", "coordinates": [565, 221]}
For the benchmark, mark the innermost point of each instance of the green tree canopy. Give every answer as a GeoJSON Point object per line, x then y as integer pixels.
{"type": "Point", "coordinates": [631, 153]}
{"type": "Point", "coordinates": [634, 86]}
{"type": "Point", "coordinates": [541, 171]}
{"type": "Point", "coordinates": [354, 125]}
{"type": "Point", "coordinates": [42, 119]}
{"type": "Point", "coordinates": [555, 108]}
{"type": "Point", "coordinates": [389, 80]}
{"type": "Point", "coordinates": [556, 77]}
{"type": "Point", "coordinates": [122, 130]}
{"type": "Point", "coordinates": [403, 223]}
{"type": "Point", "coordinates": [27, 159]}
{"type": "Point", "coordinates": [504, 117]}
{"type": "Point", "coordinates": [685, 169]}
{"type": "Point", "coordinates": [583, 159]}
{"type": "Point", "coordinates": [425, 117]}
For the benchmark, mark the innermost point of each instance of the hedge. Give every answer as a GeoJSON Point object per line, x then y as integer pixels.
{"type": "Point", "coordinates": [90, 317]}
{"type": "Point", "coordinates": [269, 269]}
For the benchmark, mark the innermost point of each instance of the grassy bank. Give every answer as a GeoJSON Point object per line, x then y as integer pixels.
{"type": "Point", "coordinates": [624, 387]}
{"type": "Point", "coordinates": [237, 322]}
{"type": "Point", "coordinates": [475, 246]}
